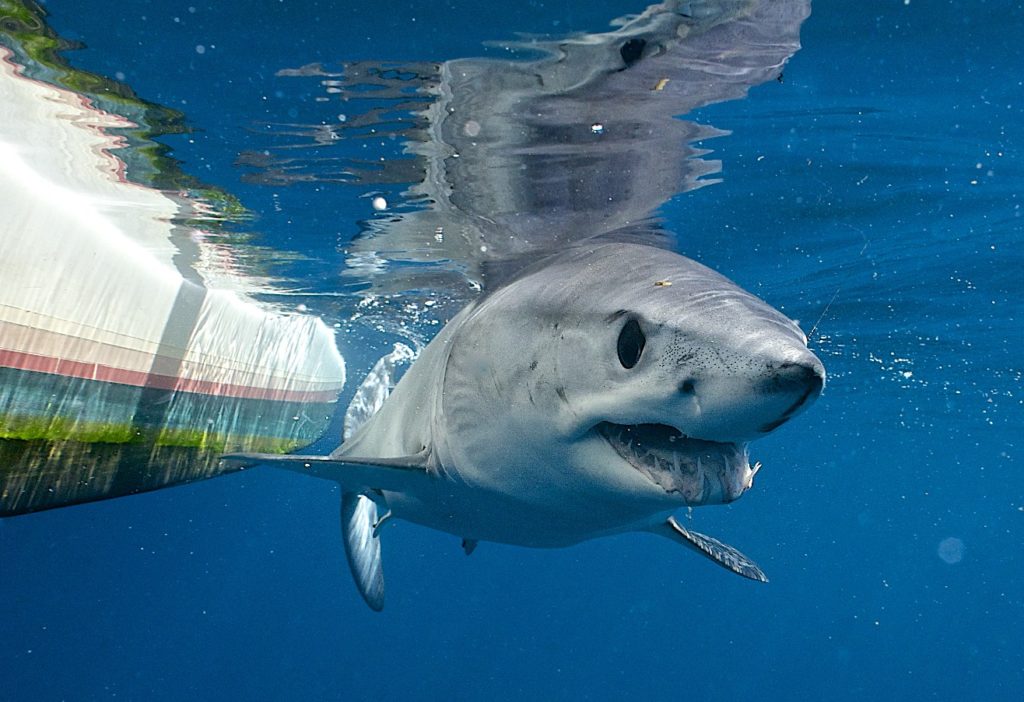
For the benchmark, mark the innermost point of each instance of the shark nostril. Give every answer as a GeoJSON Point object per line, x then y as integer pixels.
{"type": "Point", "coordinates": [687, 387]}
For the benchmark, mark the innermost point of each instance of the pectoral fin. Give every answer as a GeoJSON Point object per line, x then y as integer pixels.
{"type": "Point", "coordinates": [354, 473]}
{"type": "Point", "coordinates": [362, 547]}
{"type": "Point", "coordinates": [722, 554]}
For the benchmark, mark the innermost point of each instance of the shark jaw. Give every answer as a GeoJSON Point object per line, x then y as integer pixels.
{"type": "Point", "coordinates": [701, 472]}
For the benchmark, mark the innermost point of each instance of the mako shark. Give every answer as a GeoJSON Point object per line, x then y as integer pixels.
{"type": "Point", "coordinates": [594, 394]}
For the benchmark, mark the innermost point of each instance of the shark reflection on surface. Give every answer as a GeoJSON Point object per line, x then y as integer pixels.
{"type": "Point", "coordinates": [511, 160]}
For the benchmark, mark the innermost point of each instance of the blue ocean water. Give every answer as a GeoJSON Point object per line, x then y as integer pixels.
{"type": "Point", "coordinates": [873, 194]}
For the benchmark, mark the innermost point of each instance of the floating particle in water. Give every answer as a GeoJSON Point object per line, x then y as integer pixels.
{"type": "Point", "coordinates": [200, 49]}
{"type": "Point", "coordinates": [951, 550]}
{"type": "Point", "coordinates": [379, 203]}
{"type": "Point", "coordinates": [597, 128]}
{"type": "Point", "coordinates": [471, 128]}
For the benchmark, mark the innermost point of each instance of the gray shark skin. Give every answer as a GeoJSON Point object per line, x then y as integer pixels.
{"type": "Point", "coordinates": [592, 395]}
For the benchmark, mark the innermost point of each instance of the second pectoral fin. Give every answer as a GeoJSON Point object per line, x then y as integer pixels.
{"type": "Point", "coordinates": [711, 548]}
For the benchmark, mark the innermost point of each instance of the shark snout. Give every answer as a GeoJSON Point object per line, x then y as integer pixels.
{"type": "Point", "coordinates": [800, 380]}
{"type": "Point", "coordinates": [805, 377]}
{"type": "Point", "coordinates": [748, 398]}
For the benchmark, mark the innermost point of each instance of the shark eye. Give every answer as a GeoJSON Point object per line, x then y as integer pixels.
{"type": "Point", "coordinates": [631, 344]}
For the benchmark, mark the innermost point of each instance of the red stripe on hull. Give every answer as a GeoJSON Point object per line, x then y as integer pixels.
{"type": "Point", "coordinates": [20, 360]}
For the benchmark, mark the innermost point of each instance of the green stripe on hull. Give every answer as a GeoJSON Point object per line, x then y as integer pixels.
{"type": "Point", "coordinates": [67, 440]}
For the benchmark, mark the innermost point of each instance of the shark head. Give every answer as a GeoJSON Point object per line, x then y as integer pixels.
{"type": "Point", "coordinates": [625, 374]}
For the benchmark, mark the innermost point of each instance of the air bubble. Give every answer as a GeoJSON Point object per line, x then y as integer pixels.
{"type": "Point", "coordinates": [951, 550]}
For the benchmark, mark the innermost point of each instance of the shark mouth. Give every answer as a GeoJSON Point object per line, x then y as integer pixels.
{"type": "Point", "coordinates": [701, 472]}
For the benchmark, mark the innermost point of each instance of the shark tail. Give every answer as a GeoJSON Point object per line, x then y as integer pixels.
{"type": "Point", "coordinates": [361, 479]}
{"type": "Point", "coordinates": [360, 531]}
{"type": "Point", "coordinates": [360, 524]}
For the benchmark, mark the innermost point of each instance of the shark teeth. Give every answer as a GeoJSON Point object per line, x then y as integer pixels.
{"type": "Point", "coordinates": [701, 472]}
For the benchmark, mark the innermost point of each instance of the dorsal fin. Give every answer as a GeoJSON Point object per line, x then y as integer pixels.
{"type": "Point", "coordinates": [722, 554]}
{"type": "Point", "coordinates": [362, 547]}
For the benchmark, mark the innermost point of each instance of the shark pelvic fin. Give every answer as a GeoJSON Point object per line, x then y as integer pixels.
{"type": "Point", "coordinates": [722, 554]}
{"type": "Point", "coordinates": [362, 547]}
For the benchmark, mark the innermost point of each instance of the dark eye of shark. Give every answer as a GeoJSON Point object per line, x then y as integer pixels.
{"type": "Point", "coordinates": [631, 343]}
{"type": "Point", "coordinates": [632, 51]}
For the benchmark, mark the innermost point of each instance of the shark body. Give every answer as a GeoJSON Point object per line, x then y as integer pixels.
{"type": "Point", "coordinates": [592, 395]}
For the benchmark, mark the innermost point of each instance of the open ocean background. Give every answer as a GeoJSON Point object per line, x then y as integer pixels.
{"type": "Point", "coordinates": [883, 174]}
